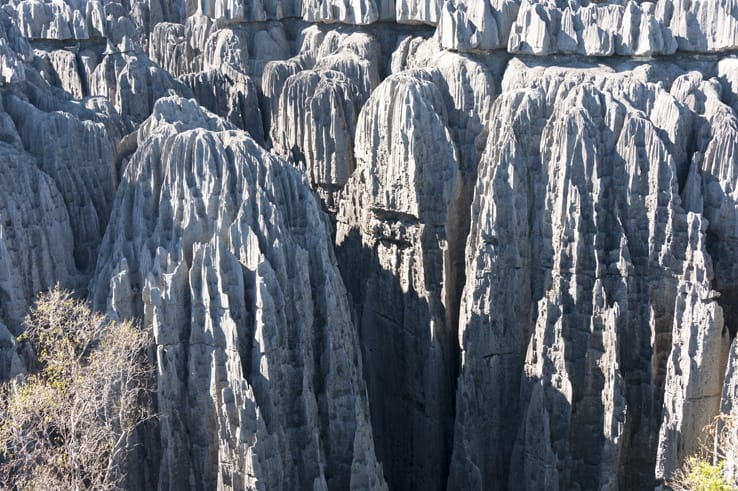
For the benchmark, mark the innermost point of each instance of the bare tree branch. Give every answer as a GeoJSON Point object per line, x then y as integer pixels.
{"type": "Point", "coordinates": [68, 425]}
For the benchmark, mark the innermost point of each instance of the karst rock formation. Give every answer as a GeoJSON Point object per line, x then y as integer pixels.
{"type": "Point", "coordinates": [388, 244]}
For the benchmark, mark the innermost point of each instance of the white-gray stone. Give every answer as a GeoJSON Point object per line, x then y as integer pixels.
{"type": "Point", "coordinates": [260, 381]}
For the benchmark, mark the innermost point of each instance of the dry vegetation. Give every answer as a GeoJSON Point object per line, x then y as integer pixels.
{"type": "Point", "coordinates": [68, 423]}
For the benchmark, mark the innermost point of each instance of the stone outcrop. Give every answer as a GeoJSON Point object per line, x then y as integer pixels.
{"type": "Point", "coordinates": [695, 370]}
{"type": "Point", "coordinates": [701, 26]}
{"type": "Point", "coordinates": [133, 83]}
{"type": "Point", "coordinates": [418, 11]}
{"type": "Point", "coordinates": [493, 340]}
{"type": "Point", "coordinates": [397, 237]}
{"type": "Point", "coordinates": [10, 363]}
{"type": "Point", "coordinates": [483, 25]}
{"type": "Point", "coordinates": [729, 408]}
{"type": "Point", "coordinates": [581, 262]}
{"type": "Point", "coordinates": [74, 145]}
{"type": "Point", "coordinates": [203, 43]}
{"type": "Point", "coordinates": [541, 27]}
{"type": "Point", "coordinates": [594, 29]}
{"type": "Point", "coordinates": [36, 239]}
{"type": "Point", "coordinates": [532, 204]}
{"type": "Point", "coordinates": [357, 12]}
{"type": "Point", "coordinates": [59, 68]}
{"type": "Point", "coordinates": [230, 94]}
{"type": "Point", "coordinates": [14, 51]}
{"type": "Point", "coordinates": [228, 257]}
{"type": "Point", "coordinates": [315, 100]}
{"type": "Point", "coordinates": [57, 184]}
{"type": "Point", "coordinates": [709, 187]}
{"type": "Point", "coordinates": [401, 225]}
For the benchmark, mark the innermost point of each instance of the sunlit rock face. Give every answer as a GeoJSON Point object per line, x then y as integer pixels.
{"type": "Point", "coordinates": [592, 28]}
{"type": "Point", "coordinates": [259, 371]}
{"type": "Point", "coordinates": [314, 101]}
{"type": "Point", "coordinates": [590, 288]}
{"type": "Point", "coordinates": [467, 26]}
{"type": "Point", "coordinates": [403, 244]}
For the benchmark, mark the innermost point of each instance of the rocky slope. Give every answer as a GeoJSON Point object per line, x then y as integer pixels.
{"type": "Point", "coordinates": [404, 244]}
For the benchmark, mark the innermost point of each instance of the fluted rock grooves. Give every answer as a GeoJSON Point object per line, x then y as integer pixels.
{"type": "Point", "coordinates": [236, 276]}
{"type": "Point", "coordinates": [388, 244]}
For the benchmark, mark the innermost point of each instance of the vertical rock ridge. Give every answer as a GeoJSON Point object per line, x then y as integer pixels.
{"type": "Point", "coordinates": [78, 155]}
{"type": "Point", "coordinates": [578, 146]}
{"type": "Point", "coordinates": [260, 383]}
{"type": "Point", "coordinates": [492, 347]}
{"type": "Point", "coordinates": [36, 238]}
{"type": "Point", "coordinates": [696, 366]}
{"type": "Point", "coordinates": [317, 107]}
{"type": "Point", "coordinates": [560, 233]}
{"type": "Point", "coordinates": [395, 227]}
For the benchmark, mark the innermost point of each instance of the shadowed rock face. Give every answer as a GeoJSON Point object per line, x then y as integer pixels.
{"type": "Point", "coordinates": [401, 225]}
{"type": "Point", "coordinates": [76, 149]}
{"type": "Point", "coordinates": [532, 204]}
{"type": "Point", "coordinates": [36, 233]}
{"type": "Point", "coordinates": [729, 407]}
{"type": "Point", "coordinates": [58, 186]}
{"type": "Point", "coordinates": [396, 226]}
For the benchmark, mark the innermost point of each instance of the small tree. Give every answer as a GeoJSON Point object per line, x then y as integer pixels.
{"type": "Point", "coordinates": [706, 470]}
{"type": "Point", "coordinates": [67, 424]}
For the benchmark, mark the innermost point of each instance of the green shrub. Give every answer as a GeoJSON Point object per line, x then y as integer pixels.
{"type": "Point", "coordinates": [706, 470]}
{"type": "Point", "coordinates": [703, 476]}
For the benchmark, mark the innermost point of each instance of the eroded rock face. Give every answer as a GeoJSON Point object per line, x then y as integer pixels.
{"type": "Point", "coordinates": [133, 83]}
{"type": "Point", "coordinates": [418, 11]}
{"type": "Point", "coordinates": [700, 27]}
{"type": "Point", "coordinates": [595, 29]}
{"type": "Point", "coordinates": [581, 263]}
{"type": "Point", "coordinates": [357, 12]}
{"type": "Point", "coordinates": [14, 50]}
{"type": "Point", "coordinates": [482, 25]}
{"type": "Point", "coordinates": [729, 408]}
{"type": "Point", "coordinates": [58, 210]}
{"type": "Point", "coordinates": [260, 381]}
{"type": "Point", "coordinates": [10, 363]}
{"type": "Point", "coordinates": [36, 239]}
{"type": "Point", "coordinates": [559, 233]}
{"type": "Point", "coordinates": [205, 43]}
{"type": "Point", "coordinates": [315, 99]}
{"type": "Point", "coordinates": [395, 235]}
{"type": "Point", "coordinates": [493, 340]}
{"type": "Point", "coordinates": [229, 94]}
{"type": "Point", "coordinates": [695, 370]}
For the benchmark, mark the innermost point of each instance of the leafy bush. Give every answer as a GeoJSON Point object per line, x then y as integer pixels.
{"type": "Point", "coordinates": [68, 424]}
{"type": "Point", "coordinates": [700, 475]}
{"type": "Point", "coordinates": [707, 471]}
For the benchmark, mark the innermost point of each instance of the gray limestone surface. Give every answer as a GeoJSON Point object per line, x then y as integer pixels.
{"type": "Point", "coordinates": [388, 244]}
{"type": "Point", "coordinates": [222, 249]}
